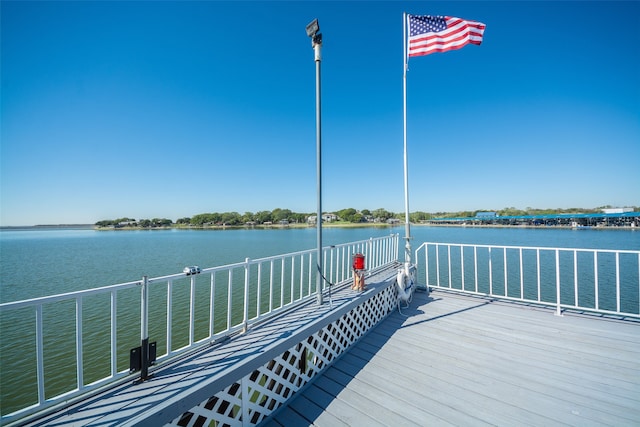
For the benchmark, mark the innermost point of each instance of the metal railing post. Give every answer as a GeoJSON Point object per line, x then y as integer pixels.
{"type": "Point", "coordinates": [40, 355]}
{"type": "Point", "coordinates": [245, 321]}
{"type": "Point", "coordinates": [144, 328]}
{"type": "Point", "coordinates": [79, 358]}
{"type": "Point", "coordinates": [449, 264]}
{"type": "Point", "coordinates": [558, 308]}
{"type": "Point", "coordinates": [490, 274]}
{"type": "Point", "coordinates": [192, 309]}
{"type": "Point", "coordinates": [114, 334]}
{"type": "Point", "coordinates": [506, 273]}
{"type": "Point", "coordinates": [437, 265]}
{"type": "Point", "coordinates": [475, 266]}
{"type": "Point", "coordinates": [575, 278]}
{"type": "Point", "coordinates": [617, 281]}
{"type": "Point", "coordinates": [462, 266]}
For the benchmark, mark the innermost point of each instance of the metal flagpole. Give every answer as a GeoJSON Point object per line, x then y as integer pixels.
{"type": "Point", "coordinates": [407, 247]}
{"type": "Point", "coordinates": [313, 29]}
{"type": "Point", "coordinates": [410, 270]}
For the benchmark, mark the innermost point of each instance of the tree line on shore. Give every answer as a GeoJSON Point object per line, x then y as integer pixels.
{"type": "Point", "coordinates": [349, 215]}
{"type": "Point", "coordinates": [275, 216]}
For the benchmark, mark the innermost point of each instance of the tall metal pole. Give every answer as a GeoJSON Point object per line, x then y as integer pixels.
{"type": "Point", "coordinates": [407, 247]}
{"type": "Point", "coordinates": [317, 47]}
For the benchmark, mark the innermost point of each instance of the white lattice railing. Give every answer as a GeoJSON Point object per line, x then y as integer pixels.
{"type": "Point", "coordinates": [251, 399]}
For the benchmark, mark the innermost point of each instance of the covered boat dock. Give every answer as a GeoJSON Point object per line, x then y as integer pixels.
{"type": "Point", "coordinates": [575, 220]}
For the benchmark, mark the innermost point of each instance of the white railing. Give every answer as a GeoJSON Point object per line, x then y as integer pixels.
{"type": "Point", "coordinates": [595, 280]}
{"type": "Point", "coordinates": [73, 343]}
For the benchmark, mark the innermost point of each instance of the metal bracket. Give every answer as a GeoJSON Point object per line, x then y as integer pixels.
{"type": "Point", "coordinates": [136, 358]}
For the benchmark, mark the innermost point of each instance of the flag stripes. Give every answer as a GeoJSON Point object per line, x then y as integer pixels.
{"type": "Point", "coordinates": [429, 34]}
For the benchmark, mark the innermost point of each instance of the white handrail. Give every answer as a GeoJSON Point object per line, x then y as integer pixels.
{"type": "Point", "coordinates": [290, 281]}
{"type": "Point", "coordinates": [564, 280]}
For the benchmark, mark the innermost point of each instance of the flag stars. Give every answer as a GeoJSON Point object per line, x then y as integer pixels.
{"type": "Point", "coordinates": [426, 24]}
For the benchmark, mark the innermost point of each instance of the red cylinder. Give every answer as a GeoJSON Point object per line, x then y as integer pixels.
{"type": "Point", "coordinates": [358, 262]}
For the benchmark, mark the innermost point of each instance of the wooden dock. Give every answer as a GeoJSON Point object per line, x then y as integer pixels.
{"type": "Point", "coordinates": [460, 360]}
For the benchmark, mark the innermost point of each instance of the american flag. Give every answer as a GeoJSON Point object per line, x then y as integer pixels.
{"type": "Point", "coordinates": [429, 34]}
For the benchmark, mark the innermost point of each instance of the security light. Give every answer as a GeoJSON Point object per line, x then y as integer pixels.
{"type": "Point", "coordinates": [313, 28]}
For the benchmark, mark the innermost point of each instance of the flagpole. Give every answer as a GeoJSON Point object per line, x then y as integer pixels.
{"type": "Point", "coordinates": [407, 248]}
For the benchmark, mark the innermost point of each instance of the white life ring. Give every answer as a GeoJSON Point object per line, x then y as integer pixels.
{"type": "Point", "coordinates": [405, 283]}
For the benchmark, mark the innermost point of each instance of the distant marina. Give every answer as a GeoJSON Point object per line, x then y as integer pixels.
{"type": "Point", "coordinates": [627, 219]}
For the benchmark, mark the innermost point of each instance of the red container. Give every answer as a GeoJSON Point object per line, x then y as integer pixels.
{"type": "Point", "coordinates": [358, 262]}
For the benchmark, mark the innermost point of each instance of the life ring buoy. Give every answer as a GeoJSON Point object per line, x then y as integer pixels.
{"type": "Point", "coordinates": [405, 283]}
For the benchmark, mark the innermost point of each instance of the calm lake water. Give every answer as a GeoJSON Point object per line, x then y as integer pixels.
{"type": "Point", "coordinates": [37, 262]}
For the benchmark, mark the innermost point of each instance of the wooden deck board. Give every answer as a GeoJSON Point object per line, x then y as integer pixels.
{"type": "Point", "coordinates": [473, 361]}
{"type": "Point", "coordinates": [536, 356]}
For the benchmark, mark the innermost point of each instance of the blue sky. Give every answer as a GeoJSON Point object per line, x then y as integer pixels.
{"type": "Point", "coordinates": [170, 109]}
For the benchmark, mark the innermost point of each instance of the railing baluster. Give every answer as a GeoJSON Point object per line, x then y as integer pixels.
{"type": "Point", "coordinates": [343, 265]}
{"type": "Point", "coordinates": [293, 272]}
{"type": "Point", "coordinates": [114, 333]}
{"type": "Point", "coordinates": [449, 263]}
{"type": "Point", "coordinates": [282, 283]}
{"type": "Point", "coordinates": [229, 299]}
{"type": "Point", "coordinates": [558, 302]}
{"type": "Point", "coordinates": [301, 276]}
{"type": "Point", "coordinates": [521, 276]}
{"type": "Point", "coordinates": [259, 291]}
{"type": "Point", "coordinates": [271, 264]}
{"type": "Point", "coordinates": [192, 309]}
{"type": "Point", "coordinates": [245, 308]}
{"type": "Point", "coordinates": [324, 268]}
{"type": "Point", "coordinates": [506, 277]}
{"type": "Point", "coordinates": [617, 281]}
{"type": "Point", "coordinates": [310, 273]}
{"type": "Point", "coordinates": [462, 265]}
{"type": "Point", "coordinates": [538, 270]}
{"type": "Point", "coordinates": [426, 265]}
{"type": "Point", "coordinates": [40, 355]}
{"type": "Point", "coordinates": [475, 266]}
{"type": "Point", "coordinates": [331, 264]}
{"type": "Point", "coordinates": [595, 278]}
{"type": "Point", "coordinates": [575, 277]}
{"type": "Point", "coordinates": [490, 274]}
{"type": "Point", "coordinates": [169, 316]}
{"type": "Point", "coordinates": [79, 359]}
{"type": "Point", "coordinates": [437, 265]}
{"type": "Point", "coordinates": [212, 306]}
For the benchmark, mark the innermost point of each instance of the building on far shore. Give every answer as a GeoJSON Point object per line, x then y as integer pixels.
{"type": "Point", "coordinates": [616, 210]}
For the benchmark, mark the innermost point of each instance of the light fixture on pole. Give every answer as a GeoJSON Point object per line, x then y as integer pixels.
{"type": "Point", "coordinates": [313, 29]}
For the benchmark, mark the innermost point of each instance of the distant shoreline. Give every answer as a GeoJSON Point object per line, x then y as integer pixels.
{"type": "Point", "coordinates": [299, 226]}
{"type": "Point", "coordinates": [48, 226]}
